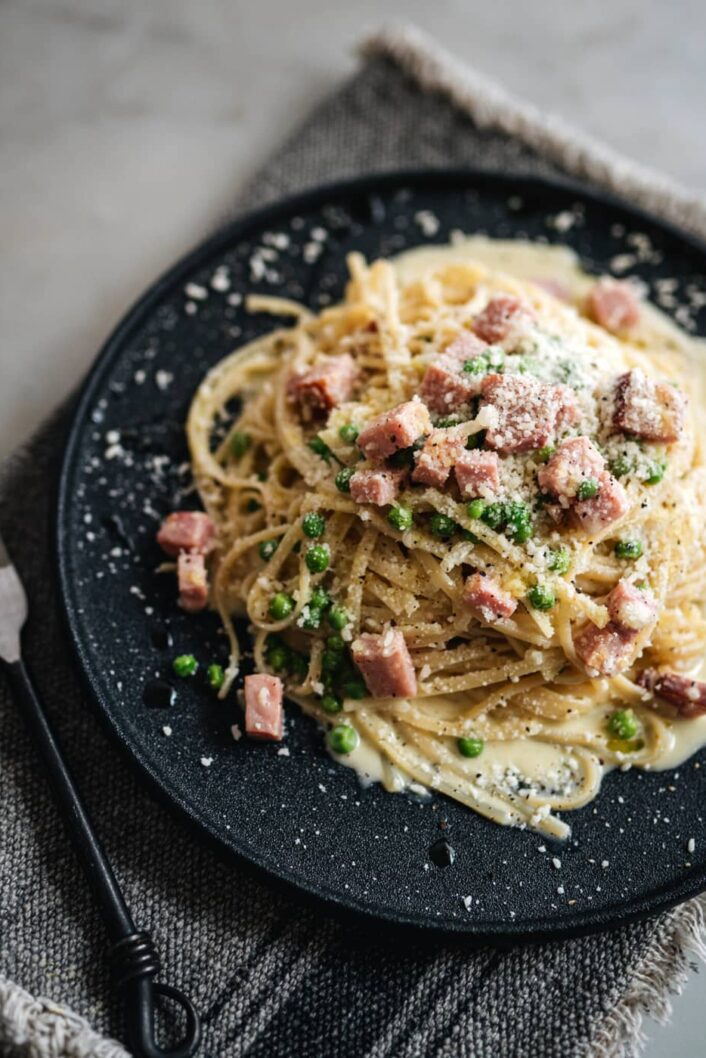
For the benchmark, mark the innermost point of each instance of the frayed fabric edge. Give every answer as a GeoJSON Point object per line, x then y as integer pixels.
{"type": "Point", "coordinates": [490, 106]}
{"type": "Point", "coordinates": [660, 975]}
{"type": "Point", "coordinates": [40, 1028]}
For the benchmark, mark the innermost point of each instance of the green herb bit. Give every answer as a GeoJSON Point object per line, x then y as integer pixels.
{"type": "Point", "coordinates": [629, 549]}
{"type": "Point", "coordinates": [442, 526]}
{"type": "Point", "coordinates": [320, 448]}
{"type": "Point", "coordinates": [470, 747]}
{"type": "Point", "coordinates": [540, 597]}
{"type": "Point", "coordinates": [299, 665]}
{"type": "Point", "coordinates": [519, 522]}
{"type": "Point", "coordinates": [475, 440]}
{"type": "Point", "coordinates": [216, 676]}
{"type": "Point", "coordinates": [338, 618]}
{"type": "Point", "coordinates": [277, 657]}
{"type": "Point", "coordinates": [239, 443]}
{"type": "Point", "coordinates": [343, 739]}
{"type": "Point", "coordinates": [545, 453]}
{"type": "Point", "coordinates": [477, 366]}
{"type": "Point", "coordinates": [470, 537]}
{"type": "Point", "coordinates": [446, 421]}
{"type": "Point", "coordinates": [623, 724]}
{"type": "Point", "coordinates": [494, 515]}
{"type": "Point", "coordinates": [335, 644]}
{"type": "Point", "coordinates": [313, 524]}
{"type": "Point", "coordinates": [348, 433]}
{"type": "Point", "coordinates": [355, 689]}
{"type": "Point", "coordinates": [400, 518]}
{"type": "Point", "coordinates": [185, 665]}
{"type": "Point", "coordinates": [281, 606]}
{"type": "Point", "coordinates": [267, 548]}
{"type": "Point", "coordinates": [320, 598]}
{"type": "Point", "coordinates": [403, 457]}
{"type": "Point", "coordinates": [587, 489]}
{"type": "Point", "coordinates": [559, 560]}
{"type": "Point", "coordinates": [343, 479]}
{"type": "Point", "coordinates": [317, 558]}
{"type": "Point", "coordinates": [655, 473]}
{"type": "Point", "coordinates": [475, 508]}
{"type": "Point", "coordinates": [310, 619]}
{"type": "Point", "coordinates": [331, 703]}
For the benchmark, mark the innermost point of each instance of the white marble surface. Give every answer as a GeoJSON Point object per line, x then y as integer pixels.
{"type": "Point", "coordinates": [127, 126]}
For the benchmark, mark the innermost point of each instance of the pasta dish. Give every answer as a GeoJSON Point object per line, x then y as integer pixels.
{"type": "Point", "coordinates": [463, 513]}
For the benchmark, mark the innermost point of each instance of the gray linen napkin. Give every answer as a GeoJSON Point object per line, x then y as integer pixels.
{"type": "Point", "coordinates": [274, 976]}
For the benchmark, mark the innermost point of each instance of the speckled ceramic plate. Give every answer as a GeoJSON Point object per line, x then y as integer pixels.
{"type": "Point", "coordinates": [290, 809]}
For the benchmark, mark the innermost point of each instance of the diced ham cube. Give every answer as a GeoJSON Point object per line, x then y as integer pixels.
{"type": "Point", "coordinates": [689, 696]}
{"type": "Point", "coordinates": [614, 305]}
{"type": "Point", "coordinates": [528, 412]}
{"type": "Point", "coordinates": [186, 531]}
{"type": "Point", "coordinates": [631, 608]}
{"type": "Point", "coordinates": [651, 410]}
{"type": "Point", "coordinates": [478, 474]}
{"type": "Point", "coordinates": [442, 449]}
{"type": "Point", "coordinates": [604, 650]}
{"type": "Point", "coordinates": [325, 385]}
{"type": "Point", "coordinates": [385, 664]}
{"type": "Point", "coordinates": [574, 461]}
{"type": "Point", "coordinates": [263, 707]}
{"type": "Point", "coordinates": [379, 486]}
{"type": "Point", "coordinates": [484, 593]}
{"type": "Point", "coordinates": [398, 428]}
{"type": "Point", "coordinates": [504, 320]}
{"type": "Point", "coordinates": [605, 508]}
{"type": "Point", "coordinates": [193, 582]}
{"type": "Point", "coordinates": [446, 384]}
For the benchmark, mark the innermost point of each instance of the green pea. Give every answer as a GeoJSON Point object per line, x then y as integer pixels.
{"type": "Point", "coordinates": [442, 526]}
{"type": "Point", "coordinates": [277, 657]}
{"type": "Point", "coordinates": [281, 606]}
{"type": "Point", "coordinates": [630, 549]}
{"type": "Point", "coordinates": [475, 508]}
{"type": "Point", "coordinates": [330, 703]}
{"type": "Point", "coordinates": [320, 598]}
{"type": "Point", "coordinates": [623, 724]}
{"type": "Point", "coordinates": [545, 453]}
{"type": "Point", "coordinates": [343, 738]}
{"type": "Point", "coordinates": [620, 466]}
{"type": "Point", "coordinates": [185, 665]}
{"type": "Point", "coordinates": [313, 524]}
{"type": "Point", "coordinates": [470, 747]}
{"type": "Point", "coordinates": [335, 644]}
{"type": "Point", "coordinates": [587, 489]}
{"type": "Point", "coordinates": [519, 522]}
{"type": "Point", "coordinates": [348, 433]}
{"type": "Point", "coordinates": [343, 479]}
{"type": "Point", "coordinates": [541, 597]}
{"type": "Point", "coordinates": [267, 548]}
{"type": "Point", "coordinates": [400, 518]}
{"type": "Point", "coordinates": [317, 558]}
{"type": "Point", "coordinates": [522, 533]}
{"type": "Point", "coordinates": [311, 618]}
{"type": "Point", "coordinates": [215, 676]}
{"type": "Point", "coordinates": [239, 443]}
{"type": "Point", "coordinates": [338, 618]}
{"type": "Point", "coordinates": [355, 689]}
{"type": "Point", "coordinates": [559, 560]}
{"type": "Point", "coordinates": [320, 448]}
{"type": "Point", "coordinates": [655, 473]}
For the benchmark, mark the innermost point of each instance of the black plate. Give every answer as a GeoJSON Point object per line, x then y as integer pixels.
{"type": "Point", "coordinates": [299, 816]}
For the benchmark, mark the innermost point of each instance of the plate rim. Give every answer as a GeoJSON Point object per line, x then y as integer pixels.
{"type": "Point", "coordinates": [502, 931]}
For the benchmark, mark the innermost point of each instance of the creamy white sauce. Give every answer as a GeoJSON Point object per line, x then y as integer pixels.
{"type": "Point", "coordinates": [521, 763]}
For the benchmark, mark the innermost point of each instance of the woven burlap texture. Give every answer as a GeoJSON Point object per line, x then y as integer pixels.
{"type": "Point", "coordinates": [273, 976]}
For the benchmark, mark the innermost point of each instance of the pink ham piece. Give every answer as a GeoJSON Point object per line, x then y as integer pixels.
{"type": "Point", "coordinates": [608, 650]}
{"type": "Point", "coordinates": [385, 664]}
{"type": "Point", "coordinates": [606, 507]}
{"type": "Point", "coordinates": [379, 486]}
{"type": "Point", "coordinates": [574, 461]}
{"type": "Point", "coordinates": [689, 696]}
{"type": "Point", "coordinates": [263, 707]}
{"type": "Point", "coordinates": [648, 409]}
{"type": "Point", "coordinates": [193, 582]}
{"type": "Point", "coordinates": [186, 531]}
{"type": "Point", "coordinates": [504, 321]}
{"type": "Point", "coordinates": [478, 474]}
{"type": "Point", "coordinates": [325, 385]}
{"type": "Point", "coordinates": [614, 305]}
{"type": "Point", "coordinates": [484, 593]}
{"type": "Point", "coordinates": [442, 449]}
{"type": "Point", "coordinates": [398, 428]}
{"type": "Point", "coordinates": [446, 384]}
{"type": "Point", "coordinates": [528, 412]}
